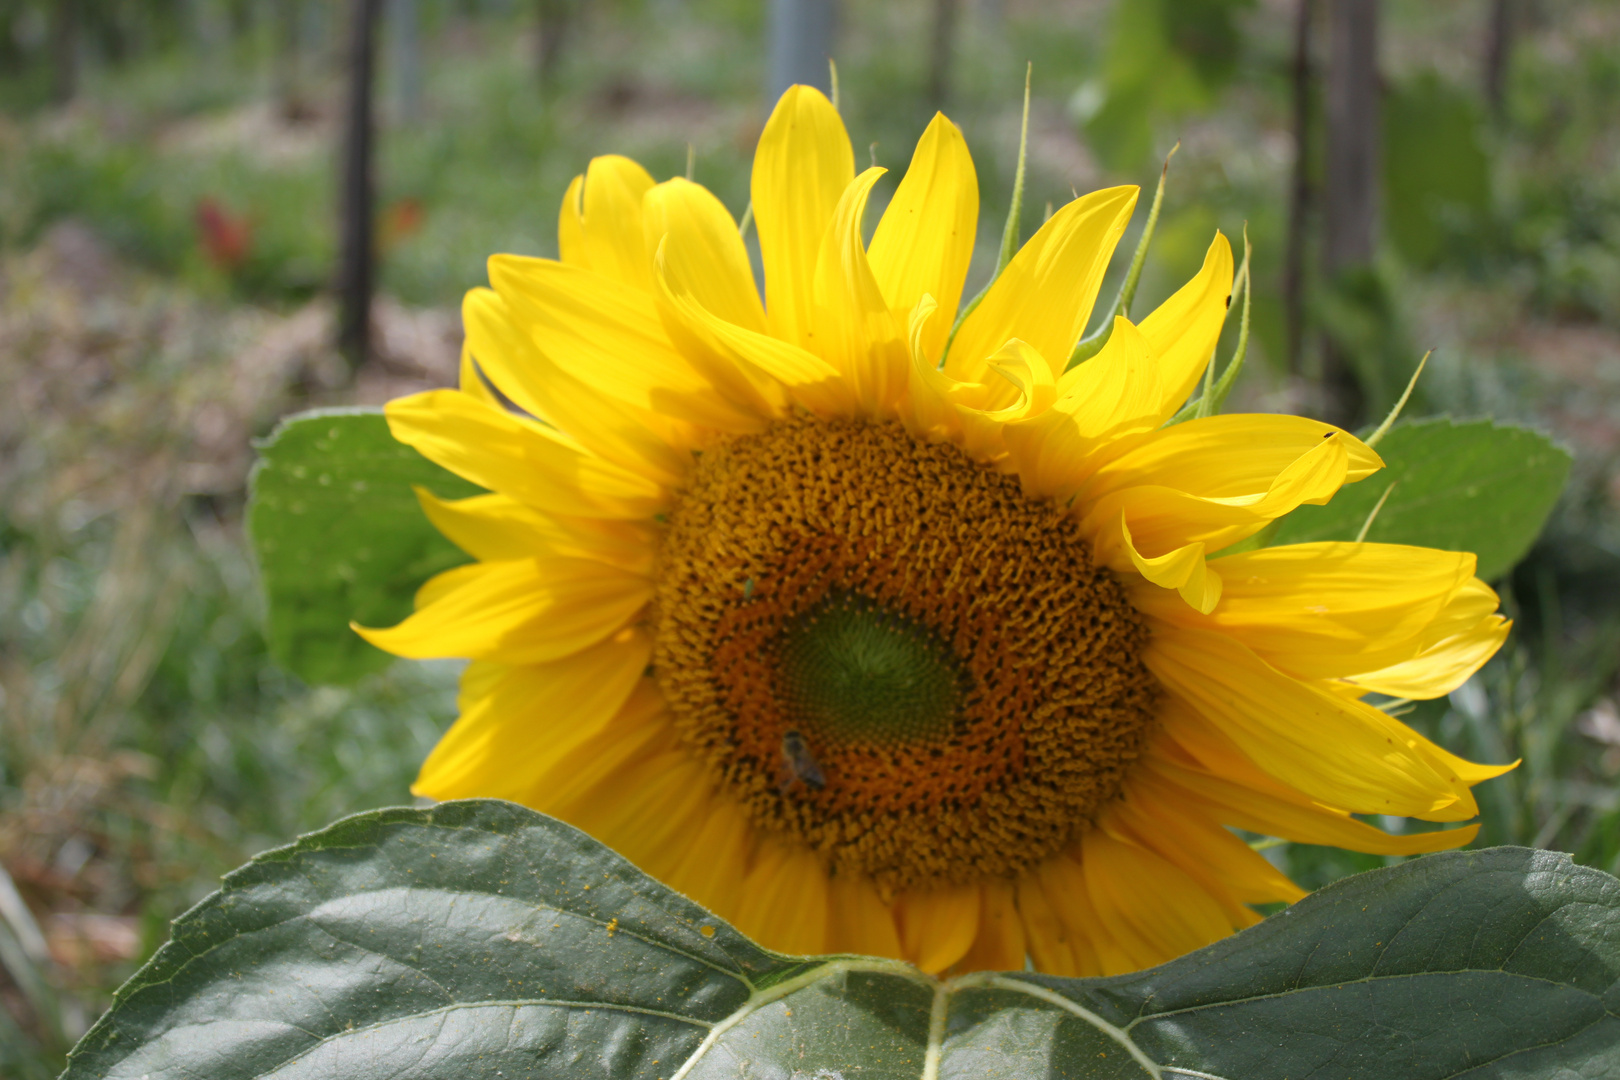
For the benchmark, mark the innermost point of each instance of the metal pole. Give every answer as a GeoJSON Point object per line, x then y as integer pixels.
{"type": "Point", "coordinates": [939, 63]}
{"type": "Point", "coordinates": [407, 58]}
{"type": "Point", "coordinates": [801, 42]}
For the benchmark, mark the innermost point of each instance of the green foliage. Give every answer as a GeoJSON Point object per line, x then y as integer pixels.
{"type": "Point", "coordinates": [1360, 311]}
{"type": "Point", "coordinates": [1436, 173]}
{"type": "Point", "coordinates": [146, 205]}
{"type": "Point", "coordinates": [1469, 486]}
{"type": "Point", "coordinates": [479, 939]}
{"type": "Point", "coordinates": [1166, 58]}
{"type": "Point", "coordinates": [339, 537]}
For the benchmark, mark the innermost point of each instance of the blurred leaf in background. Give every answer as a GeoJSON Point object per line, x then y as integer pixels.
{"type": "Point", "coordinates": [1166, 58]}
{"type": "Point", "coordinates": [1437, 182]}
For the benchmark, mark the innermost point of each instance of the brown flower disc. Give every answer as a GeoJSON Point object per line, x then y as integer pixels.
{"type": "Point", "coordinates": [889, 651]}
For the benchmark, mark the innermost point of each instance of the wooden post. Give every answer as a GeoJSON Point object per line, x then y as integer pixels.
{"type": "Point", "coordinates": [64, 50]}
{"type": "Point", "coordinates": [1350, 208]}
{"type": "Point", "coordinates": [555, 19]}
{"type": "Point", "coordinates": [939, 60]}
{"type": "Point", "coordinates": [1299, 190]}
{"type": "Point", "coordinates": [1498, 48]}
{"type": "Point", "coordinates": [287, 72]}
{"type": "Point", "coordinates": [357, 253]}
{"type": "Point", "coordinates": [801, 41]}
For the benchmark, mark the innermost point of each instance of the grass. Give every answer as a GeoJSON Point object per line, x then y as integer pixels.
{"type": "Point", "coordinates": [147, 743]}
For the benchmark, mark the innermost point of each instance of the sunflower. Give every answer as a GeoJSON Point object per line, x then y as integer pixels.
{"type": "Point", "coordinates": [878, 631]}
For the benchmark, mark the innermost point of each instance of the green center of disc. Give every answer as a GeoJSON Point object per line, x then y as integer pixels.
{"type": "Point", "coordinates": [853, 671]}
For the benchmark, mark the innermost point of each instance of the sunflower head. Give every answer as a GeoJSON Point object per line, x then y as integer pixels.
{"type": "Point", "coordinates": [877, 626]}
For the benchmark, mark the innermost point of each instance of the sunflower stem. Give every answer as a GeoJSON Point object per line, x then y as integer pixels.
{"type": "Point", "coordinates": [691, 160]}
{"type": "Point", "coordinates": [1394, 414]}
{"type": "Point", "coordinates": [1373, 516]}
{"type": "Point", "coordinates": [1092, 343]}
{"type": "Point", "coordinates": [1010, 231]}
{"type": "Point", "coordinates": [832, 75]}
{"type": "Point", "coordinates": [747, 220]}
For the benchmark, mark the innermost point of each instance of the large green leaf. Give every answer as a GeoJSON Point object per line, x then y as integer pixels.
{"type": "Point", "coordinates": [339, 536]}
{"type": "Point", "coordinates": [1471, 486]}
{"type": "Point", "coordinates": [480, 940]}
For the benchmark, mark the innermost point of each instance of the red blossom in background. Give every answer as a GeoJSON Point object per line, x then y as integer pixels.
{"type": "Point", "coordinates": [226, 238]}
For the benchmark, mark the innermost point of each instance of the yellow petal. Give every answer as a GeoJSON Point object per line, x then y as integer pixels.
{"type": "Point", "coordinates": [1030, 374]}
{"type": "Point", "coordinates": [1108, 398]}
{"type": "Point", "coordinates": [1182, 331]}
{"type": "Point", "coordinates": [1220, 457]}
{"type": "Point", "coordinates": [1045, 294]}
{"type": "Point", "coordinates": [1328, 610]}
{"type": "Point", "coordinates": [859, 921]}
{"type": "Point", "coordinates": [928, 410]}
{"type": "Point", "coordinates": [1000, 944]}
{"type": "Point", "coordinates": [1344, 753]}
{"type": "Point", "coordinates": [508, 735]}
{"type": "Point", "coordinates": [649, 810]}
{"type": "Point", "coordinates": [1157, 814]}
{"type": "Point", "coordinates": [494, 528]}
{"type": "Point", "coordinates": [1117, 391]}
{"type": "Point", "coordinates": [937, 926]}
{"type": "Point", "coordinates": [1064, 884]}
{"type": "Point", "coordinates": [609, 337]}
{"type": "Point", "coordinates": [526, 611]}
{"type": "Point", "coordinates": [611, 429]}
{"type": "Point", "coordinates": [705, 257]}
{"type": "Point", "coordinates": [924, 242]}
{"type": "Point", "coordinates": [783, 901]}
{"type": "Point", "coordinates": [1163, 519]}
{"type": "Point", "coordinates": [1053, 946]}
{"type": "Point", "coordinates": [981, 432]}
{"type": "Point", "coordinates": [692, 329]}
{"type": "Point", "coordinates": [715, 857]}
{"type": "Point", "coordinates": [854, 330]}
{"type": "Point", "coordinates": [1183, 569]}
{"type": "Point", "coordinates": [610, 222]}
{"type": "Point", "coordinates": [1145, 906]}
{"type": "Point", "coordinates": [470, 382]}
{"type": "Point", "coordinates": [588, 773]}
{"type": "Point", "coordinates": [801, 167]}
{"type": "Point", "coordinates": [520, 458]}
{"type": "Point", "coordinates": [571, 226]}
{"type": "Point", "coordinates": [1440, 668]}
{"type": "Point", "coordinates": [807, 379]}
{"type": "Point", "coordinates": [1240, 794]}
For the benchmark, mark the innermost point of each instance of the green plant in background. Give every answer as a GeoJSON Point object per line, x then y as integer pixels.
{"type": "Point", "coordinates": [1166, 58]}
{"type": "Point", "coordinates": [1437, 182]}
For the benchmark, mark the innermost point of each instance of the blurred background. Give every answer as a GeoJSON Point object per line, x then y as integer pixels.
{"type": "Point", "coordinates": [215, 212]}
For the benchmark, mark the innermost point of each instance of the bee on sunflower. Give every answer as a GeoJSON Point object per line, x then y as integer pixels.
{"type": "Point", "coordinates": [878, 631]}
